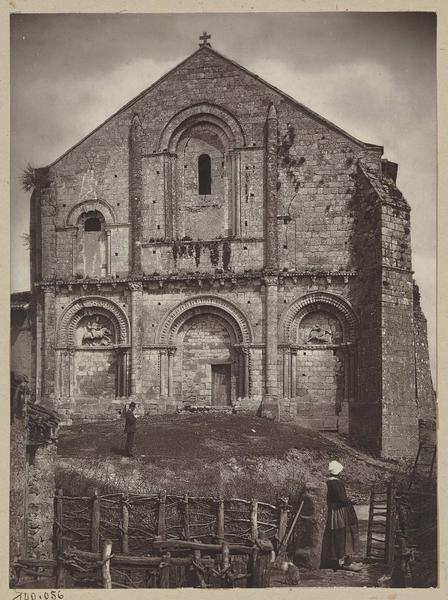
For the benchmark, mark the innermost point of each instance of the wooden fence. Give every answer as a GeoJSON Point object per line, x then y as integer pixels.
{"type": "Point", "coordinates": [132, 522]}
{"type": "Point", "coordinates": [176, 563]}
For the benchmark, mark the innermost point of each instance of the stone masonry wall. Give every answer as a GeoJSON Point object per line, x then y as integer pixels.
{"type": "Point", "coordinates": [96, 374]}
{"type": "Point", "coordinates": [315, 165]}
{"type": "Point", "coordinates": [206, 341]}
{"type": "Point", "coordinates": [400, 422]}
{"type": "Point", "coordinates": [426, 400]}
{"type": "Point", "coordinates": [18, 487]}
{"type": "Point", "coordinates": [365, 248]}
{"type": "Point", "coordinates": [319, 384]}
{"type": "Point", "coordinates": [40, 509]}
{"type": "Point", "coordinates": [21, 342]}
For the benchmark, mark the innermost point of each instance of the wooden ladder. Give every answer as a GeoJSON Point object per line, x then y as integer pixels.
{"type": "Point", "coordinates": [425, 460]}
{"type": "Point", "coordinates": [382, 524]}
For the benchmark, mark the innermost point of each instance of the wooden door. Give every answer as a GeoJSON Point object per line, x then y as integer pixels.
{"type": "Point", "coordinates": [220, 385]}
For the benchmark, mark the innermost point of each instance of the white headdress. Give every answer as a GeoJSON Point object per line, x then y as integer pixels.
{"type": "Point", "coordinates": [335, 467]}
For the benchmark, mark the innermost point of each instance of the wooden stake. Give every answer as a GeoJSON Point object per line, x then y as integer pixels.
{"type": "Point", "coordinates": [161, 525]}
{"type": "Point", "coordinates": [105, 567]}
{"type": "Point", "coordinates": [254, 520]}
{"type": "Point", "coordinates": [186, 518]}
{"type": "Point", "coordinates": [390, 524]}
{"type": "Point", "coordinates": [284, 541]}
{"type": "Point", "coordinates": [260, 574]}
{"type": "Point", "coordinates": [370, 522]}
{"type": "Point", "coordinates": [60, 573]}
{"type": "Point", "coordinates": [59, 517]}
{"type": "Point", "coordinates": [124, 526]}
{"type": "Point", "coordinates": [199, 575]}
{"type": "Point", "coordinates": [225, 555]}
{"type": "Point", "coordinates": [282, 518]}
{"type": "Point", "coordinates": [95, 522]}
{"type": "Point", "coordinates": [220, 520]}
{"type": "Point", "coordinates": [164, 580]}
{"type": "Point", "coordinates": [253, 560]}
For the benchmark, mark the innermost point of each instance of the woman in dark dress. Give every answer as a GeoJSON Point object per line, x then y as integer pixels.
{"type": "Point", "coordinates": [341, 535]}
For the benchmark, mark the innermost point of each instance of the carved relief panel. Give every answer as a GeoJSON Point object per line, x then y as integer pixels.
{"type": "Point", "coordinates": [319, 327]}
{"type": "Point", "coordinates": [95, 330]}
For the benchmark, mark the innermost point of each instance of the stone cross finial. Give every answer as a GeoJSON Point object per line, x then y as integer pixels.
{"type": "Point", "coordinates": [204, 39]}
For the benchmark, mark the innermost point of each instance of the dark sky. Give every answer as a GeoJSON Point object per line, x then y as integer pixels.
{"type": "Point", "coordinates": [373, 74]}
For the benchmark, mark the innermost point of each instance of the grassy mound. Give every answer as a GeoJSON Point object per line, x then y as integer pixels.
{"type": "Point", "coordinates": [211, 455]}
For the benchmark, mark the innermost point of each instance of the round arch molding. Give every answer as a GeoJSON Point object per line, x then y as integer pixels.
{"type": "Point", "coordinates": [338, 307]}
{"type": "Point", "coordinates": [97, 305]}
{"type": "Point", "coordinates": [200, 113]}
{"type": "Point", "coordinates": [90, 205]}
{"type": "Point", "coordinates": [204, 305]}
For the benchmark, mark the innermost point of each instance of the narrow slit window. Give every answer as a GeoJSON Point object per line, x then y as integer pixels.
{"type": "Point", "coordinates": [205, 174]}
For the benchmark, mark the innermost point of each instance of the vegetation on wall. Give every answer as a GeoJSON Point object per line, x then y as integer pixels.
{"type": "Point", "coordinates": [32, 178]}
{"type": "Point", "coordinates": [226, 255]}
{"type": "Point", "coordinates": [289, 162]}
{"type": "Point", "coordinates": [28, 178]}
{"type": "Point", "coordinates": [187, 248]}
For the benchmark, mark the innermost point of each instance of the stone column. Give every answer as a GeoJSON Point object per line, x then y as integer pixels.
{"type": "Point", "coordinates": [74, 252]}
{"type": "Point", "coordinates": [293, 373]}
{"type": "Point", "coordinates": [65, 373]}
{"type": "Point", "coordinates": [270, 191]}
{"type": "Point", "coordinates": [108, 252]}
{"type": "Point", "coordinates": [286, 372]}
{"type": "Point", "coordinates": [241, 377]}
{"type": "Point", "coordinates": [71, 373]}
{"type": "Point", "coordinates": [167, 160]}
{"type": "Point", "coordinates": [246, 372]}
{"type": "Point", "coordinates": [59, 358]}
{"type": "Point", "coordinates": [48, 347]}
{"type": "Point", "coordinates": [125, 372]}
{"type": "Point", "coordinates": [135, 194]}
{"type": "Point", "coordinates": [136, 288]}
{"type": "Point", "coordinates": [163, 357]}
{"type": "Point", "coordinates": [171, 353]}
{"type": "Point", "coordinates": [270, 406]}
{"type": "Point", "coordinates": [171, 400]}
{"type": "Point", "coordinates": [235, 191]}
{"type": "Point", "coordinates": [122, 367]}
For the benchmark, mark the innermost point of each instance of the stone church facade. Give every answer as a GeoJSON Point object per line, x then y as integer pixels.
{"type": "Point", "coordinates": [216, 243]}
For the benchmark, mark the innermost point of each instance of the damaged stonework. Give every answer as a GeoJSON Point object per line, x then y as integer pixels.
{"type": "Point", "coordinates": [32, 479]}
{"type": "Point", "coordinates": [425, 393]}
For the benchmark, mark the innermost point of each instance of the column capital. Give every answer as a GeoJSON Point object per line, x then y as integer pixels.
{"type": "Point", "coordinates": [48, 289]}
{"type": "Point", "coordinates": [135, 286]}
{"type": "Point", "coordinates": [270, 280]}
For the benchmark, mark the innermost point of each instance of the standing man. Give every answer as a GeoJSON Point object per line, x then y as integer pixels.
{"type": "Point", "coordinates": [130, 429]}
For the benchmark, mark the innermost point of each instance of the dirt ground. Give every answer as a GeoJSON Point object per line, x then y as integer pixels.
{"type": "Point", "coordinates": [189, 436]}
{"type": "Point", "coordinates": [195, 453]}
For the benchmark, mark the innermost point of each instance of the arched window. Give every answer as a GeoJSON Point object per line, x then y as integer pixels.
{"type": "Point", "coordinates": [204, 174]}
{"type": "Point", "coordinates": [92, 252]}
